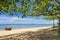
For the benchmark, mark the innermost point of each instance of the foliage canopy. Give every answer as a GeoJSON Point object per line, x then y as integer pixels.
{"type": "Point", "coordinates": [31, 7]}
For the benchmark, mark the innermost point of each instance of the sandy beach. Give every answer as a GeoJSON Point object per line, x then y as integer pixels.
{"type": "Point", "coordinates": [13, 31]}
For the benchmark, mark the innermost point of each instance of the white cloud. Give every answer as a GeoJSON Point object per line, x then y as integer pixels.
{"type": "Point", "coordinates": [16, 20]}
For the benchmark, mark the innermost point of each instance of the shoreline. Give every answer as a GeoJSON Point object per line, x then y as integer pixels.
{"type": "Point", "coordinates": [22, 30]}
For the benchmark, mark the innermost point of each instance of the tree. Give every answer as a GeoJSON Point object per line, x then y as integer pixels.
{"type": "Point", "coordinates": [54, 12]}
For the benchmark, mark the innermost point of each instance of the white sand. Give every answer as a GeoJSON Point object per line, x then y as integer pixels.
{"type": "Point", "coordinates": [13, 31]}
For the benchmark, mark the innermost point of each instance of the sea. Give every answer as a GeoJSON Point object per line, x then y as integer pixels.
{"type": "Point", "coordinates": [19, 26]}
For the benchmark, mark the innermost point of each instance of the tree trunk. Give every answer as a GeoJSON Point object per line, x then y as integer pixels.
{"type": "Point", "coordinates": [59, 23]}
{"type": "Point", "coordinates": [53, 23]}
{"type": "Point", "coordinates": [59, 27]}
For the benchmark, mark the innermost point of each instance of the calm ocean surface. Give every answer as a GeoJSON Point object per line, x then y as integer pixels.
{"type": "Point", "coordinates": [17, 26]}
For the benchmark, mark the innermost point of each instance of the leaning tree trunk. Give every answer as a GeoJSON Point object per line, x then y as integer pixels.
{"type": "Point", "coordinates": [53, 23]}
{"type": "Point", "coordinates": [59, 23]}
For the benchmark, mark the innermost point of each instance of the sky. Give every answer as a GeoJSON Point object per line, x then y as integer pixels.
{"type": "Point", "coordinates": [6, 19]}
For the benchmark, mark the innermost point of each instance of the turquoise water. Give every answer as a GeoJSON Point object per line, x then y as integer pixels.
{"type": "Point", "coordinates": [17, 26]}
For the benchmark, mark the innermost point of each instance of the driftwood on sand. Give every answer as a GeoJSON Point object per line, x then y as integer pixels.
{"type": "Point", "coordinates": [8, 28]}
